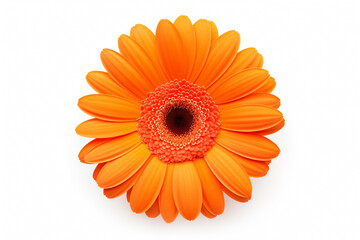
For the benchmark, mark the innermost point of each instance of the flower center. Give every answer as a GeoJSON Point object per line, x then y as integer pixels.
{"type": "Point", "coordinates": [178, 121]}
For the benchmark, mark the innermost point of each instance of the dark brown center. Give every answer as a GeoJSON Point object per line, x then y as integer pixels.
{"type": "Point", "coordinates": [179, 120]}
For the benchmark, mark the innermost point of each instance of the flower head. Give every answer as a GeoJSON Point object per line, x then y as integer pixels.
{"type": "Point", "coordinates": [180, 118]}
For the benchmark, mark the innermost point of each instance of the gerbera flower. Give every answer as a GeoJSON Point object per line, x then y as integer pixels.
{"type": "Point", "coordinates": [179, 119]}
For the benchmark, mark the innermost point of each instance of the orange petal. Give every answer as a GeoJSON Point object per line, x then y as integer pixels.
{"type": "Point", "coordinates": [122, 188]}
{"type": "Point", "coordinates": [238, 85]}
{"type": "Point", "coordinates": [247, 58]}
{"type": "Point", "coordinates": [202, 30]}
{"type": "Point", "coordinates": [121, 169]}
{"type": "Point", "coordinates": [273, 129]}
{"type": "Point", "coordinates": [206, 212]}
{"type": "Point", "coordinates": [268, 87]}
{"type": "Point", "coordinates": [154, 210]}
{"type": "Point", "coordinates": [128, 195]}
{"type": "Point", "coordinates": [95, 128]}
{"type": "Point", "coordinates": [110, 108]}
{"type": "Point", "coordinates": [125, 186]}
{"type": "Point", "coordinates": [166, 198]}
{"type": "Point", "coordinates": [171, 50]}
{"type": "Point", "coordinates": [125, 73]}
{"type": "Point", "coordinates": [229, 173]}
{"type": "Point", "coordinates": [213, 198]}
{"type": "Point", "coordinates": [113, 148]}
{"type": "Point", "coordinates": [187, 190]}
{"type": "Point", "coordinates": [137, 55]}
{"type": "Point", "coordinates": [248, 145]}
{"type": "Point", "coordinates": [252, 167]}
{"type": "Point", "coordinates": [187, 33]}
{"type": "Point", "coordinates": [97, 170]}
{"type": "Point", "coordinates": [249, 118]}
{"type": "Point", "coordinates": [214, 31]}
{"type": "Point", "coordinates": [260, 65]}
{"type": "Point", "coordinates": [103, 83]}
{"type": "Point", "coordinates": [148, 186]}
{"type": "Point", "coordinates": [222, 52]}
{"type": "Point", "coordinates": [88, 147]}
{"type": "Point", "coordinates": [234, 196]}
{"type": "Point", "coordinates": [146, 38]}
{"type": "Point", "coordinates": [254, 99]}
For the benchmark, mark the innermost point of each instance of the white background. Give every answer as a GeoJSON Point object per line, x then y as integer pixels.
{"type": "Point", "coordinates": [312, 188]}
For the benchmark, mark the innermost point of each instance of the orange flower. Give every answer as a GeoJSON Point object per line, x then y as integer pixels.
{"type": "Point", "coordinates": [180, 118]}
